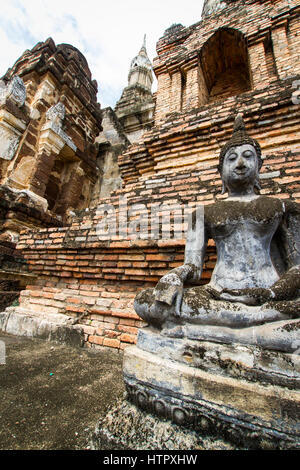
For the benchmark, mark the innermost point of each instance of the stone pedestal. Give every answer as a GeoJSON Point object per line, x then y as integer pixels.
{"type": "Point", "coordinates": [238, 396]}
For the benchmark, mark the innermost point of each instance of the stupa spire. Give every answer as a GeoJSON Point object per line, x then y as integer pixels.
{"type": "Point", "coordinates": [141, 68]}
{"type": "Point", "coordinates": [135, 108]}
{"type": "Point", "coordinates": [144, 42]}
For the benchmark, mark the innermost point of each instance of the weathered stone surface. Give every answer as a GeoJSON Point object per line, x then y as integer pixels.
{"type": "Point", "coordinates": [214, 6]}
{"type": "Point", "coordinates": [236, 360]}
{"type": "Point", "coordinates": [112, 142]}
{"type": "Point", "coordinates": [20, 208]}
{"type": "Point", "coordinates": [234, 410]}
{"type": "Point", "coordinates": [11, 130]}
{"type": "Point", "coordinates": [57, 328]}
{"type": "Point", "coordinates": [127, 427]}
{"type": "Point", "coordinates": [14, 90]}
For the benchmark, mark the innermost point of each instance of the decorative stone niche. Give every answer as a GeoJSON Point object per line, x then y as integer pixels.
{"type": "Point", "coordinates": [224, 63]}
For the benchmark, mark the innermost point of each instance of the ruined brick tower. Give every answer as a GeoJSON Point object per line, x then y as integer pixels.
{"type": "Point", "coordinates": [50, 119]}
{"type": "Point", "coordinates": [243, 56]}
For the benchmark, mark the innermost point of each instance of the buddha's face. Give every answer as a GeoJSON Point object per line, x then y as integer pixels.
{"type": "Point", "coordinates": [240, 167]}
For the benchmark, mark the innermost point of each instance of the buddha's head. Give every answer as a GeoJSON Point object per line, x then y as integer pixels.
{"type": "Point", "coordinates": [240, 160]}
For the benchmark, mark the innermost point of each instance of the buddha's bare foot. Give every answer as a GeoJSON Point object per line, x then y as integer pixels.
{"type": "Point", "coordinates": [253, 296]}
{"type": "Point", "coordinates": [172, 331]}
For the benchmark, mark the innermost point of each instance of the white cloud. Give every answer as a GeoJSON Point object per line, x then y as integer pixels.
{"type": "Point", "coordinates": [109, 34]}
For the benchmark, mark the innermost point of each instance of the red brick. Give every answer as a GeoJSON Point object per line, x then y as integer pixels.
{"type": "Point", "coordinates": [112, 343]}
{"type": "Point", "coordinates": [96, 339]}
{"type": "Point", "coordinates": [130, 315]}
{"type": "Point", "coordinates": [73, 300]}
{"type": "Point", "coordinates": [75, 309]}
{"type": "Point", "coordinates": [127, 338]}
{"type": "Point", "coordinates": [128, 329]}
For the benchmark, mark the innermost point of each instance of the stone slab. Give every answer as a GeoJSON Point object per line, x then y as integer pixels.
{"type": "Point", "coordinates": [57, 328]}
{"type": "Point", "coordinates": [240, 361]}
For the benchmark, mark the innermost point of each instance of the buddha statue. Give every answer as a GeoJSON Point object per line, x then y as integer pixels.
{"type": "Point", "coordinates": [253, 296]}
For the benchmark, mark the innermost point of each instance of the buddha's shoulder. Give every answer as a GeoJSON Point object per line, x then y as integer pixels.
{"type": "Point", "coordinates": [291, 207]}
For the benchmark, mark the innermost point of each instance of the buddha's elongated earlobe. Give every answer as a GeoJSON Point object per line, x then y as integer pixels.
{"type": "Point", "coordinates": [257, 184]}
{"type": "Point", "coordinates": [224, 188]}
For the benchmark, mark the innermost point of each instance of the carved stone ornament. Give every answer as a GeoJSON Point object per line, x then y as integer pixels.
{"type": "Point", "coordinates": [208, 419]}
{"type": "Point", "coordinates": [212, 7]}
{"type": "Point", "coordinates": [14, 90]}
{"type": "Point", "coordinates": [9, 142]}
{"type": "Point", "coordinates": [55, 116]}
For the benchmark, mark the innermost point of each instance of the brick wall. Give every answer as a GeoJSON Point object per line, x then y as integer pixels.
{"type": "Point", "coordinates": [192, 141]}
{"type": "Point", "coordinates": [10, 260]}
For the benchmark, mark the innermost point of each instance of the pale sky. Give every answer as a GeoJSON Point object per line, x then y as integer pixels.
{"type": "Point", "coordinates": [108, 32]}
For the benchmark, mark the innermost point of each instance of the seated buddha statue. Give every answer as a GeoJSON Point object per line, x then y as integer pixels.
{"type": "Point", "coordinates": [254, 292]}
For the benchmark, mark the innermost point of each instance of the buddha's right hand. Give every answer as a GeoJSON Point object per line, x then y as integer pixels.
{"type": "Point", "coordinates": [169, 290]}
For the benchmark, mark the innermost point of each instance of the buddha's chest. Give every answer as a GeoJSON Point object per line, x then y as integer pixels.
{"type": "Point", "coordinates": [244, 222]}
{"type": "Point", "coordinates": [241, 232]}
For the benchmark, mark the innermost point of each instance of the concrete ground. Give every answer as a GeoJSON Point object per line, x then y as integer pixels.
{"type": "Point", "coordinates": [51, 396]}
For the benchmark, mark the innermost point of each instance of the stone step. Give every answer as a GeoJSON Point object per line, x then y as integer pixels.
{"type": "Point", "coordinates": [56, 327]}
